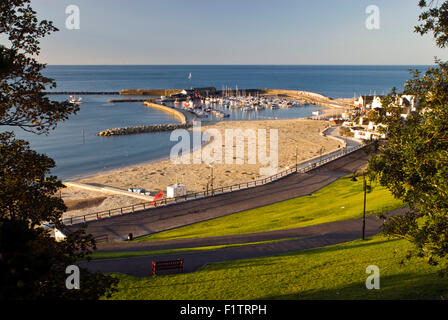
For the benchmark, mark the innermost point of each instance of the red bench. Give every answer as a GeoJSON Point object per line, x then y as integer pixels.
{"type": "Point", "coordinates": [167, 265]}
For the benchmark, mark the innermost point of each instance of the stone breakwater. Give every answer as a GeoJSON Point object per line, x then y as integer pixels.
{"type": "Point", "coordinates": [141, 129]}
{"type": "Point", "coordinates": [184, 117]}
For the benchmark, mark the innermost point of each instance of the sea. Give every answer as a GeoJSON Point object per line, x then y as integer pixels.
{"type": "Point", "coordinates": [78, 152]}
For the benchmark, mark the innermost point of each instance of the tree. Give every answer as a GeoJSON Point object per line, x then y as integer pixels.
{"type": "Point", "coordinates": [32, 263]}
{"type": "Point", "coordinates": [435, 20]}
{"type": "Point", "coordinates": [413, 163]}
{"type": "Point", "coordinates": [22, 99]}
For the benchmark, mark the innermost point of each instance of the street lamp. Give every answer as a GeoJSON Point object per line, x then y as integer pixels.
{"type": "Point", "coordinates": [365, 198]}
{"type": "Point", "coordinates": [364, 211]}
{"type": "Point", "coordinates": [297, 152]}
{"type": "Point", "coordinates": [211, 178]}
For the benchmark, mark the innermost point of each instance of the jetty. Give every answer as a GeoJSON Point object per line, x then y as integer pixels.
{"type": "Point", "coordinates": [130, 100]}
{"type": "Point", "coordinates": [112, 93]}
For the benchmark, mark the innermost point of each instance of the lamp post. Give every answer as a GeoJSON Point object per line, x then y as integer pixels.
{"type": "Point", "coordinates": [297, 152]}
{"type": "Point", "coordinates": [213, 190]}
{"type": "Point", "coordinates": [365, 198]}
{"type": "Point", "coordinates": [210, 182]}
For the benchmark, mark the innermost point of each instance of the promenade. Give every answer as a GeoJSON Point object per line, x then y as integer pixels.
{"type": "Point", "coordinates": [176, 215]}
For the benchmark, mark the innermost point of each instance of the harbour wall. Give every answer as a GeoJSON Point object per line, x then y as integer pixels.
{"type": "Point", "coordinates": [175, 112]}
{"type": "Point", "coordinates": [149, 92]}
{"type": "Point", "coordinates": [186, 120]}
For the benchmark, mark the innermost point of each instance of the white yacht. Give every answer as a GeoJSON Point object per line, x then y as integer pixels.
{"type": "Point", "coordinates": [74, 100]}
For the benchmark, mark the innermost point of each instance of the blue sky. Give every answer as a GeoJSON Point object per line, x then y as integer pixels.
{"type": "Point", "coordinates": [235, 32]}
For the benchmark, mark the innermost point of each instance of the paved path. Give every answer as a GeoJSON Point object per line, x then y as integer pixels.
{"type": "Point", "coordinates": [311, 237]}
{"type": "Point", "coordinates": [177, 215]}
{"type": "Point", "coordinates": [107, 189]}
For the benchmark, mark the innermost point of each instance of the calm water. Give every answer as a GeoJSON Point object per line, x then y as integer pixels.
{"type": "Point", "coordinates": [333, 81]}
{"type": "Point", "coordinates": [80, 154]}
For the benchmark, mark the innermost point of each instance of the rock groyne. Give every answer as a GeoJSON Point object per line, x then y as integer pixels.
{"type": "Point", "coordinates": [141, 129]}
{"type": "Point", "coordinates": [185, 118]}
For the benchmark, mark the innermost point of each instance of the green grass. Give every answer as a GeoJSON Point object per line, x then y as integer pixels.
{"type": "Point", "coordinates": [129, 254]}
{"type": "Point", "coordinates": [340, 200]}
{"type": "Point", "coordinates": [334, 272]}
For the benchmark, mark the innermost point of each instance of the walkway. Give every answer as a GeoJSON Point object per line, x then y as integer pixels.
{"type": "Point", "coordinates": [311, 237]}
{"type": "Point", "coordinates": [181, 214]}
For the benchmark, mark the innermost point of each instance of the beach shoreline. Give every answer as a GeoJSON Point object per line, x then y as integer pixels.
{"type": "Point", "coordinates": [156, 175]}
{"type": "Point", "coordinates": [326, 111]}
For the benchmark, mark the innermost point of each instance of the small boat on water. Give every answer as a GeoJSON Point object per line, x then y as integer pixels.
{"type": "Point", "coordinates": [74, 100]}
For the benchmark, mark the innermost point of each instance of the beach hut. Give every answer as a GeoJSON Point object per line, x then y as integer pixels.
{"type": "Point", "coordinates": [176, 190]}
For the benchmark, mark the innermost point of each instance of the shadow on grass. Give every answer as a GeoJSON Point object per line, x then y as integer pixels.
{"type": "Point", "coordinates": [256, 261]}
{"type": "Point", "coordinates": [397, 287]}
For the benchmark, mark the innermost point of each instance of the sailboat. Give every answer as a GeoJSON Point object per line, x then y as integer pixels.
{"type": "Point", "coordinates": [190, 76]}
{"type": "Point", "coordinates": [74, 100]}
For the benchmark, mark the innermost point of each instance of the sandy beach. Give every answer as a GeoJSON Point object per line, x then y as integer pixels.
{"type": "Point", "coordinates": [293, 134]}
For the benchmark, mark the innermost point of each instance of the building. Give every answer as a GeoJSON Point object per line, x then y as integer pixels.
{"type": "Point", "coordinates": [409, 101]}
{"type": "Point", "coordinates": [57, 234]}
{"type": "Point", "coordinates": [376, 103]}
{"type": "Point", "coordinates": [363, 133]}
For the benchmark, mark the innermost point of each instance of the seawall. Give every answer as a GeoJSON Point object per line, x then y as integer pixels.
{"type": "Point", "coordinates": [149, 92]}
{"type": "Point", "coordinates": [186, 120]}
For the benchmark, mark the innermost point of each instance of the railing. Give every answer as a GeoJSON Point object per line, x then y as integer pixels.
{"type": "Point", "coordinates": [300, 168]}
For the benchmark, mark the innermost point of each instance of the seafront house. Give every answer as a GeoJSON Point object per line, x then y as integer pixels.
{"type": "Point", "coordinates": [371, 130]}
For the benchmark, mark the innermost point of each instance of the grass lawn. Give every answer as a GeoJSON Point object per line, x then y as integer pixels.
{"type": "Point", "coordinates": [334, 272]}
{"type": "Point", "coordinates": [341, 200]}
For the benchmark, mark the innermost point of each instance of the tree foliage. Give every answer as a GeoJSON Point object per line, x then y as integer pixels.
{"type": "Point", "coordinates": [435, 20]}
{"type": "Point", "coordinates": [32, 263]}
{"type": "Point", "coordinates": [22, 99]}
{"type": "Point", "coordinates": [413, 163]}
{"type": "Point", "coordinates": [27, 192]}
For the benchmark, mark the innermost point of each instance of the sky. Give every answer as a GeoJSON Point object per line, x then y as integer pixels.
{"type": "Point", "coordinates": [288, 32]}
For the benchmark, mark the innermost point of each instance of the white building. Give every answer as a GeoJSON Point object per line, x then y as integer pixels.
{"type": "Point", "coordinates": [359, 103]}
{"type": "Point", "coordinates": [366, 134]}
{"type": "Point", "coordinates": [410, 101]}
{"type": "Point", "coordinates": [176, 190]}
{"type": "Point", "coordinates": [57, 234]}
{"type": "Point", "coordinates": [376, 103]}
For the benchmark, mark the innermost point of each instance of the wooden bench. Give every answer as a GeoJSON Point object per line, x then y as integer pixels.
{"type": "Point", "coordinates": [167, 265]}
